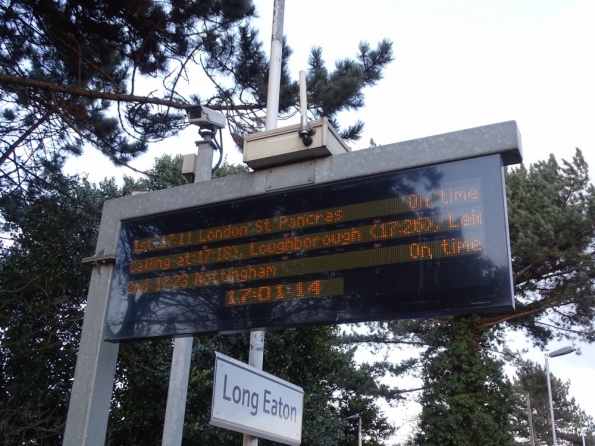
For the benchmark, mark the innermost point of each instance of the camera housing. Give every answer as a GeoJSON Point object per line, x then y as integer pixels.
{"type": "Point", "coordinates": [203, 116]}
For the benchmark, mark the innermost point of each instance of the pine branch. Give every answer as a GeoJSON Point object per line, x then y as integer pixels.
{"type": "Point", "coordinates": [495, 320]}
{"type": "Point", "coordinates": [95, 142]}
{"type": "Point", "coordinates": [23, 137]}
{"type": "Point", "coordinates": [375, 339]}
{"type": "Point", "coordinates": [539, 306]}
{"type": "Point", "coordinates": [410, 390]}
{"type": "Point", "coordinates": [560, 328]}
{"type": "Point", "coordinates": [119, 97]}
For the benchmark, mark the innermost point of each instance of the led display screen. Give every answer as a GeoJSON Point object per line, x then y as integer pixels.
{"type": "Point", "coordinates": [415, 243]}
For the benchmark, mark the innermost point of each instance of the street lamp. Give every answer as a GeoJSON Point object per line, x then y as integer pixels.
{"type": "Point", "coordinates": [587, 432]}
{"type": "Point", "coordinates": [560, 352]}
{"type": "Point", "coordinates": [359, 430]}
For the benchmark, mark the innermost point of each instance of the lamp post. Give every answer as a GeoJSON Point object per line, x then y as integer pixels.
{"type": "Point", "coordinates": [586, 432]}
{"type": "Point", "coordinates": [560, 352]}
{"type": "Point", "coordinates": [359, 429]}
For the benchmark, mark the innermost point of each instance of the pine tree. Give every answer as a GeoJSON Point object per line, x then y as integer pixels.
{"type": "Point", "coordinates": [570, 418]}
{"type": "Point", "coordinates": [551, 209]}
{"type": "Point", "coordinates": [116, 75]}
{"type": "Point", "coordinates": [43, 286]}
{"type": "Point", "coordinates": [334, 388]}
{"type": "Point", "coordinates": [466, 398]}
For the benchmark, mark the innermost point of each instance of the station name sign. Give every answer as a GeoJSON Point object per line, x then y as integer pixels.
{"type": "Point", "coordinates": [421, 242]}
{"type": "Point", "coordinates": [254, 402]}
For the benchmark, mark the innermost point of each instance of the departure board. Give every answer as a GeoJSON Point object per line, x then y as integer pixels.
{"type": "Point", "coordinates": [416, 243]}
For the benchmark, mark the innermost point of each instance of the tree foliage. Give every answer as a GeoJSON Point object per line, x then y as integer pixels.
{"type": "Point", "coordinates": [43, 287]}
{"type": "Point", "coordinates": [551, 210]}
{"type": "Point", "coordinates": [551, 215]}
{"type": "Point", "coordinates": [466, 399]}
{"type": "Point", "coordinates": [117, 75]}
{"type": "Point", "coordinates": [571, 420]}
{"type": "Point", "coordinates": [334, 388]}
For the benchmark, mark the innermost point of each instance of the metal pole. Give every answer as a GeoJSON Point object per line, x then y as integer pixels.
{"type": "Point", "coordinates": [549, 393]}
{"type": "Point", "coordinates": [88, 410]}
{"type": "Point", "coordinates": [359, 432]}
{"type": "Point", "coordinates": [275, 66]}
{"type": "Point", "coordinates": [257, 337]}
{"type": "Point", "coordinates": [530, 416]}
{"type": "Point", "coordinates": [255, 359]}
{"type": "Point", "coordinates": [173, 427]}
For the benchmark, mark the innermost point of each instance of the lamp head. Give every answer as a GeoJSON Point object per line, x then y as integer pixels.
{"type": "Point", "coordinates": [561, 351]}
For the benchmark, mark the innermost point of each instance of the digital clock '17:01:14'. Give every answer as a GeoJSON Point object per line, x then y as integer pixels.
{"type": "Point", "coordinates": [280, 292]}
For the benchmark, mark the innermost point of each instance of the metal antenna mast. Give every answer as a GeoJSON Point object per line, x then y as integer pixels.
{"type": "Point", "coordinates": [257, 337]}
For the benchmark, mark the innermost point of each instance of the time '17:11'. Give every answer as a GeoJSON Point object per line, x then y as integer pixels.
{"type": "Point", "coordinates": [273, 293]}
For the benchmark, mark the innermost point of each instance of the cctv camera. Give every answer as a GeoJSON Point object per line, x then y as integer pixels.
{"type": "Point", "coordinates": [203, 116]}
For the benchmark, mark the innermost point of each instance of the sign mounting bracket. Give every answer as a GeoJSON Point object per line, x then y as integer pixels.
{"type": "Point", "coordinates": [99, 259]}
{"type": "Point", "coordinates": [278, 178]}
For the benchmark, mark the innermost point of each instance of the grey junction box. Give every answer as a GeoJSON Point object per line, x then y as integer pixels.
{"type": "Point", "coordinates": [284, 146]}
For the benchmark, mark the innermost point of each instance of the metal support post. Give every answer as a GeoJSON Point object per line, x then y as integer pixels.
{"type": "Point", "coordinates": [257, 337]}
{"type": "Point", "coordinates": [549, 394]}
{"type": "Point", "coordinates": [359, 432]}
{"type": "Point", "coordinates": [88, 410]}
{"type": "Point", "coordinates": [275, 65]}
{"type": "Point", "coordinates": [173, 427]}
{"type": "Point", "coordinates": [255, 359]}
{"type": "Point", "coordinates": [180, 367]}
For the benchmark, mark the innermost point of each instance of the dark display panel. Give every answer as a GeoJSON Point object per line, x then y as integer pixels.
{"type": "Point", "coordinates": [422, 242]}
